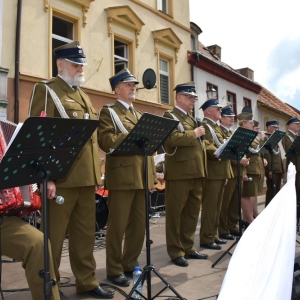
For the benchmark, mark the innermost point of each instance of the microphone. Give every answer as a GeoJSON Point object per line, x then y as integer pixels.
{"type": "Point", "coordinates": [199, 123]}
{"type": "Point", "coordinates": [59, 199]}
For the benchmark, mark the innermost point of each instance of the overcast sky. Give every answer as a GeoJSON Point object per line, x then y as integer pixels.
{"type": "Point", "coordinates": [261, 35]}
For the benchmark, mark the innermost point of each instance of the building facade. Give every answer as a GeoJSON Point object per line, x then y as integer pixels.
{"type": "Point", "coordinates": [136, 34]}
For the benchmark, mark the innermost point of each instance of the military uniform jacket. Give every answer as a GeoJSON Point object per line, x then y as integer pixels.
{"type": "Point", "coordinates": [226, 135]}
{"type": "Point", "coordinates": [189, 158]}
{"type": "Point", "coordinates": [277, 161]}
{"type": "Point", "coordinates": [256, 165]}
{"type": "Point", "coordinates": [122, 172]}
{"type": "Point", "coordinates": [217, 169]}
{"type": "Point", "coordinates": [86, 169]}
{"type": "Point", "coordinates": [286, 143]}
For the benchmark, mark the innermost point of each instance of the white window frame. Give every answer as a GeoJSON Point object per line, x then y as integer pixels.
{"type": "Point", "coordinates": [166, 74]}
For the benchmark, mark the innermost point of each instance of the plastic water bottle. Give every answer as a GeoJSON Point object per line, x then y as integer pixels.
{"type": "Point", "coordinates": [136, 274]}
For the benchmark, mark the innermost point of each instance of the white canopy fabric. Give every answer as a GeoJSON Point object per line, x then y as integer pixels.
{"type": "Point", "coordinates": [262, 264]}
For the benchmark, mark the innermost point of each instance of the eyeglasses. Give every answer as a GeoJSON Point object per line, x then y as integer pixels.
{"type": "Point", "coordinates": [190, 97]}
{"type": "Point", "coordinates": [251, 123]}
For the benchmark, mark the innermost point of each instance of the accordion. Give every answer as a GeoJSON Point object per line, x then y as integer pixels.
{"type": "Point", "coordinates": [17, 201]}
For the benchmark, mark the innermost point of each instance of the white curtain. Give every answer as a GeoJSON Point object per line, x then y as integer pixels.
{"type": "Point", "coordinates": [262, 264]}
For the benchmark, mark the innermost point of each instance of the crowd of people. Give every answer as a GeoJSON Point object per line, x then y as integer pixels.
{"type": "Point", "coordinates": [193, 174]}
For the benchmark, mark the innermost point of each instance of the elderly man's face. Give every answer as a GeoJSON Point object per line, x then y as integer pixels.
{"type": "Point", "coordinates": [72, 73]}
{"type": "Point", "coordinates": [295, 127]}
{"type": "Point", "coordinates": [126, 91]}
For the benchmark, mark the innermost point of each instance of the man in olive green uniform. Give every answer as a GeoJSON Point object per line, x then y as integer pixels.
{"type": "Point", "coordinates": [185, 166]}
{"type": "Point", "coordinates": [288, 139]}
{"type": "Point", "coordinates": [62, 96]}
{"type": "Point", "coordinates": [23, 242]}
{"type": "Point", "coordinates": [230, 204]}
{"type": "Point", "coordinates": [124, 178]}
{"type": "Point", "coordinates": [218, 172]}
{"type": "Point", "coordinates": [275, 173]}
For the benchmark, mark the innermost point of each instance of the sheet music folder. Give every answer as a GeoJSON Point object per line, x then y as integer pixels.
{"type": "Point", "coordinates": [272, 141]}
{"type": "Point", "coordinates": [294, 148]}
{"type": "Point", "coordinates": [237, 144]}
{"type": "Point", "coordinates": [50, 143]}
{"type": "Point", "coordinates": [150, 131]}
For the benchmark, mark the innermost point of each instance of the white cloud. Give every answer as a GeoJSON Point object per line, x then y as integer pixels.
{"type": "Point", "coordinates": [249, 33]}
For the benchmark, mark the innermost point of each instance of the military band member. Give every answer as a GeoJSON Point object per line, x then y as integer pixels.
{"type": "Point", "coordinates": [293, 131]}
{"type": "Point", "coordinates": [275, 173]}
{"type": "Point", "coordinates": [230, 204]}
{"type": "Point", "coordinates": [218, 172]}
{"type": "Point", "coordinates": [255, 170]}
{"type": "Point", "coordinates": [124, 178]}
{"type": "Point", "coordinates": [185, 166]}
{"type": "Point", "coordinates": [62, 96]}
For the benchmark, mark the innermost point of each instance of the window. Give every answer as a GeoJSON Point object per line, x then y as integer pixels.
{"type": "Point", "coordinates": [247, 102]}
{"type": "Point", "coordinates": [124, 28]}
{"type": "Point", "coordinates": [163, 6]}
{"type": "Point", "coordinates": [120, 56]}
{"type": "Point", "coordinates": [266, 119]}
{"type": "Point", "coordinates": [231, 100]}
{"type": "Point", "coordinates": [164, 76]}
{"type": "Point", "coordinates": [62, 33]}
{"type": "Point", "coordinates": [193, 43]}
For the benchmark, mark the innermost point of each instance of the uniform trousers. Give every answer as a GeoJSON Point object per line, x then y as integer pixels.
{"type": "Point", "coordinates": [25, 243]}
{"type": "Point", "coordinates": [182, 212]}
{"type": "Point", "coordinates": [77, 217]}
{"type": "Point", "coordinates": [277, 179]}
{"type": "Point", "coordinates": [212, 195]}
{"type": "Point", "coordinates": [127, 217]}
{"type": "Point", "coordinates": [230, 207]}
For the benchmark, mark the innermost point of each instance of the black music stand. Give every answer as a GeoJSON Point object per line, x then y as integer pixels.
{"type": "Point", "coordinates": [293, 152]}
{"type": "Point", "coordinates": [234, 149]}
{"type": "Point", "coordinates": [144, 139]}
{"type": "Point", "coordinates": [268, 147]}
{"type": "Point", "coordinates": [44, 149]}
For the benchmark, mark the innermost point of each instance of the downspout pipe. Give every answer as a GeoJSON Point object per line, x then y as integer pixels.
{"type": "Point", "coordinates": [17, 62]}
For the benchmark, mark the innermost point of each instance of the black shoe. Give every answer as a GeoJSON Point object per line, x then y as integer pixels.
{"type": "Point", "coordinates": [212, 246]}
{"type": "Point", "coordinates": [220, 241]}
{"type": "Point", "coordinates": [180, 261]}
{"type": "Point", "coordinates": [197, 255]}
{"type": "Point", "coordinates": [120, 280]}
{"type": "Point", "coordinates": [62, 296]}
{"type": "Point", "coordinates": [227, 236]}
{"type": "Point", "coordinates": [235, 233]}
{"type": "Point", "coordinates": [245, 224]}
{"type": "Point", "coordinates": [128, 273]}
{"type": "Point", "coordinates": [100, 292]}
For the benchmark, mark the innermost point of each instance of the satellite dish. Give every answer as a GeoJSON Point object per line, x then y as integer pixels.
{"type": "Point", "coordinates": [149, 79]}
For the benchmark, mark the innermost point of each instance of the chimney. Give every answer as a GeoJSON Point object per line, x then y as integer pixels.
{"type": "Point", "coordinates": [215, 50]}
{"type": "Point", "coordinates": [247, 73]}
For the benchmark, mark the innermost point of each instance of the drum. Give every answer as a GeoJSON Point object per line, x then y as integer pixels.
{"type": "Point", "coordinates": [101, 209]}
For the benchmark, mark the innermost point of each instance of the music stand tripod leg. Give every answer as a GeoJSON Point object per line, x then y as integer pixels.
{"type": "Point", "coordinates": [48, 283]}
{"type": "Point", "coordinates": [146, 274]}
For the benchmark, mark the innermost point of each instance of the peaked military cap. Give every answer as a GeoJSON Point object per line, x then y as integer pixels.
{"type": "Point", "coordinates": [246, 114]}
{"type": "Point", "coordinates": [293, 120]}
{"type": "Point", "coordinates": [122, 76]}
{"type": "Point", "coordinates": [209, 103]}
{"type": "Point", "coordinates": [186, 88]}
{"type": "Point", "coordinates": [71, 52]}
{"type": "Point", "coordinates": [272, 123]}
{"type": "Point", "coordinates": [227, 111]}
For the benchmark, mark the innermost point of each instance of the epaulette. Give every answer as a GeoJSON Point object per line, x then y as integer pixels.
{"type": "Point", "coordinates": [47, 81]}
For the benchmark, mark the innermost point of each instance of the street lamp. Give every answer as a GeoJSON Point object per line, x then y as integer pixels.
{"type": "Point", "coordinates": [211, 93]}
